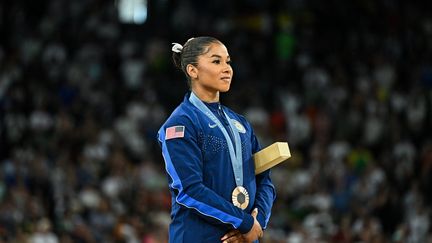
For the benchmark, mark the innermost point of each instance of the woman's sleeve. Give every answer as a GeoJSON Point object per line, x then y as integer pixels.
{"type": "Point", "coordinates": [266, 193]}
{"type": "Point", "coordinates": [183, 163]}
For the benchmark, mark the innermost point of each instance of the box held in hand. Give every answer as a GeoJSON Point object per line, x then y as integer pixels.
{"type": "Point", "coordinates": [271, 156]}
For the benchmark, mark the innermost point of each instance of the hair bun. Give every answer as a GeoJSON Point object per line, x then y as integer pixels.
{"type": "Point", "coordinates": [177, 48]}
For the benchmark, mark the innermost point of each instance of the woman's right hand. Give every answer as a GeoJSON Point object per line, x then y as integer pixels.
{"type": "Point", "coordinates": [256, 231]}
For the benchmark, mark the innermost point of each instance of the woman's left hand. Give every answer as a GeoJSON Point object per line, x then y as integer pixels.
{"type": "Point", "coordinates": [233, 236]}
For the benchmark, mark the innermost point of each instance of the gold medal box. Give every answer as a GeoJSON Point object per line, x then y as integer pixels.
{"type": "Point", "coordinates": [271, 156]}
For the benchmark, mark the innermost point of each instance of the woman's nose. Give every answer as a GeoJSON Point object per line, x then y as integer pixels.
{"type": "Point", "coordinates": [227, 69]}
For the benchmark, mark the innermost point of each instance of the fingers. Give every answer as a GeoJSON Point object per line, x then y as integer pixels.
{"type": "Point", "coordinates": [260, 233]}
{"type": "Point", "coordinates": [255, 212]}
{"type": "Point", "coordinates": [234, 240]}
{"type": "Point", "coordinates": [231, 240]}
{"type": "Point", "coordinates": [256, 231]}
{"type": "Point", "coordinates": [228, 237]}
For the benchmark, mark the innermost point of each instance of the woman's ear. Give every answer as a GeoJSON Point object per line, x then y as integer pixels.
{"type": "Point", "coordinates": [192, 71]}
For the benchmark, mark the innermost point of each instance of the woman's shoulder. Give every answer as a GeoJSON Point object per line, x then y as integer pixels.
{"type": "Point", "coordinates": [182, 114]}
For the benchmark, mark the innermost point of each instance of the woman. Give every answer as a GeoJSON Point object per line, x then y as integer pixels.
{"type": "Point", "coordinates": [208, 151]}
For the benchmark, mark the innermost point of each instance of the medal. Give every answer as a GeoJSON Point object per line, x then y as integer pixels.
{"type": "Point", "coordinates": [240, 197]}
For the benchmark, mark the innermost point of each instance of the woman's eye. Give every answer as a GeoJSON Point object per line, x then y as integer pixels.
{"type": "Point", "coordinates": [229, 62]}
{"type": "Point", "coordinates": [216, 61]}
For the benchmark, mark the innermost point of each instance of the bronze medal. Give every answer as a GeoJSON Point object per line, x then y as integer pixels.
{"type": "Point", "coordinates": [240, 197]}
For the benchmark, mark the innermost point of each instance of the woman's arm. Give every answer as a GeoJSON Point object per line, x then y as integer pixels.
{"type": "Point", "coordinates": [266, 193]}
{"type": "Point", "coordinates": [183, 163]}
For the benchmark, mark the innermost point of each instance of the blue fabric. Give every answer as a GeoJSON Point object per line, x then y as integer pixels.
{"type": "Point", "coordinates": [201, 179]}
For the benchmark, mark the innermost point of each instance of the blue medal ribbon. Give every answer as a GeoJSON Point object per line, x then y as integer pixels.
{"type": "Point", "coordinates": [235, 153]}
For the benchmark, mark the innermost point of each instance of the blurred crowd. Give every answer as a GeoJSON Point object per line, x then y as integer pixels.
{"type": "Point", "coordinates": [348, 84]}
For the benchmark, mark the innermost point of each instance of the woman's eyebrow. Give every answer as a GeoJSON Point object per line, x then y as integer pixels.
{"type": "Point", "coordinates": [218, 56]}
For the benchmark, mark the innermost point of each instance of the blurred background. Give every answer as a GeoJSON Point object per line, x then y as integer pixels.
{"type": "Point", "coordinates": [85, 85]}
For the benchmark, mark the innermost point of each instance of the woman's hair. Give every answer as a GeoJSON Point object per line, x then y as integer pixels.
{"type": "Point", "coordinates": [189, 52]}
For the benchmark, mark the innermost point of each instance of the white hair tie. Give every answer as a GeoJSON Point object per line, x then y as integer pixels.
{"type": "Point", "coordinates": [177, 48]}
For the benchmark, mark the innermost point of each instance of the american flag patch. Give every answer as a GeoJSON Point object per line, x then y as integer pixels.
{"type": "Point", "coordinates": [174, 132]}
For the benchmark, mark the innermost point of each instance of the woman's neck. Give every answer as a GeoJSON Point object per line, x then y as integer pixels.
{"type": "Point", "coordinates": [206, 96]}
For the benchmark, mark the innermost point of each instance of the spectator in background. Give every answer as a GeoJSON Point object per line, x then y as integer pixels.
{"type": "Point", "coordinates": [82, 96]}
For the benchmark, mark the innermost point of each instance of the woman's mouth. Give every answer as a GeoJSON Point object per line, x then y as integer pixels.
{"type": "Point", "coordinates": [226, 79]}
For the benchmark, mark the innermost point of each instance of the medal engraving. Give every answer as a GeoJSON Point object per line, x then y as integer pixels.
{"type": "Point", "coordinates": [241, 198]}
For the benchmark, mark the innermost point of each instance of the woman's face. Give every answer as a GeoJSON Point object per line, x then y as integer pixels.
{"type": "Point", "coordinates": [213, 71]}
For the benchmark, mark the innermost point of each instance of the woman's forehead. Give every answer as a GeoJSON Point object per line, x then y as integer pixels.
{"type": "Point", "coordinates": [216, 48]}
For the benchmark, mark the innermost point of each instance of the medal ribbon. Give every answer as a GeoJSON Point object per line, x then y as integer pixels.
{"type": "Point", "coordinates": [235, 153]}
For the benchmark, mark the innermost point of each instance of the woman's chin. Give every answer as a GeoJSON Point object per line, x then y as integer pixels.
{"type": "Point", "coordinates": [225, 89]}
